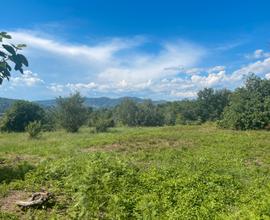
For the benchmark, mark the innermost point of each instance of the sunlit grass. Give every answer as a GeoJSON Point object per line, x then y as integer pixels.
{"type": "Point", "coordinates": [181, 172]}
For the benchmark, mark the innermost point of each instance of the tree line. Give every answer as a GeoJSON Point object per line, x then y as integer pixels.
{"type": "Point", "coordinates": [248, 107]}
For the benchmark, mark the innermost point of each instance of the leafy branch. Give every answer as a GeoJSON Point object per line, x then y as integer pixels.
{"type": "Point", "coordinates": [9, 53]}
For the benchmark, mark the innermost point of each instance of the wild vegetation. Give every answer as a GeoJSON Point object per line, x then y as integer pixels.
{"type": "Point", "coordinates": [138, 160]}
{"type": "Point", "coordinates": [175, 172]}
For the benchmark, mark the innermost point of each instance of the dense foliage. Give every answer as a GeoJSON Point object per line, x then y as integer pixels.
{"type": "Point", "coordinates": [211, 103]}
{"type": "Point", "coordinates": [249, 106]}
{"type": "Point", "coordinates": [127, 112]}
{"type": "Point", "coordinates": [20, 115]}
{"type": "Point", "coordinates": [71, 112]}
{"type": "Point", "coordinates": [146, 113]}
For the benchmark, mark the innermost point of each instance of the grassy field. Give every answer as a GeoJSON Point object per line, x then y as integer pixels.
{"type": "Point", "coordinates": [181, 172]}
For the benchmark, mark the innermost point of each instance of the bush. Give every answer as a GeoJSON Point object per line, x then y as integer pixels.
{"type": "Point", "coordinates": [34, 129]}
{"type": "Point", "coordinates": [102, 125]}
{"type": "Point", "coordinates": [50, 120]}
{"type": "Point", "coordinates": [20, 114]}
{"type": "Point", "coordinates": [71, 112]}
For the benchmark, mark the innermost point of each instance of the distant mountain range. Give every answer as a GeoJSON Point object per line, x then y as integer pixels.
{"type": "Point", "coordinates": [102, 102]}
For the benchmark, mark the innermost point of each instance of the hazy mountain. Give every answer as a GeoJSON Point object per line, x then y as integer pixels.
{"type": "Point", "coordinates": [5, 104]}
{"type": "Point", "coordinates": [102, 102]}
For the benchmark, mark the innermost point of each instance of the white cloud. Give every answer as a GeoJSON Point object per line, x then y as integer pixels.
{"type": "Point", "coordinates": [144, 67]}
{"type": "Point", "coordinates": [216, 69]}
{"type": "Point", "coordinates": [261, 68]}
{"type": "Point", "coordinates": [115, 59]}
{"type": "Point", "coordinates": [26, 79]}
{"type": "Point", "coordinates": [100, 52]}
{"type": "Point", "coordinates": [183, 94]}
{"type": "Point", "coordinates": [123, 66]}
{"type": "Point", "coordinates": [258, 54]}
{"type": "Point", "coordinates": [211, 80]}
{"type": "Point", "coordinates": [56, 87]}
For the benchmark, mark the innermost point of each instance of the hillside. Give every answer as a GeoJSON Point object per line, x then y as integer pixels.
{"type": "Point", "coordinates": [5, 104]}
{"type": "Point", "coordinates": [102, 102]}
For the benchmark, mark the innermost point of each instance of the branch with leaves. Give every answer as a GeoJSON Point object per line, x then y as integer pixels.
{"type": "Point", "coordinates": [9, 54]}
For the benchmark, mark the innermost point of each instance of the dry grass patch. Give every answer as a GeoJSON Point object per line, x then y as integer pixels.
{"type": "Point", "coordinates": [136, 145]}
{"type": "Point", "coordinates": [8, 203]}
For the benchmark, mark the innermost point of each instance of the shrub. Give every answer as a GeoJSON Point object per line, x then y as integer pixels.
{"type": "Point", "coordinates": [34, 129]}
{"type": "Point", "coordinates": [50, 120]}
{"type": "Point", "coordinates": [102, 125]}
{"type": "Point", "coordinates": [20, 114]}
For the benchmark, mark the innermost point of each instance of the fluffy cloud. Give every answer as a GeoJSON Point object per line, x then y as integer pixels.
{"type": "Point", "coordinates": [260, 68]}
{"type": "Point", "coordinates": [258, 54]}
{"type": "Point", "coordinates": [116, 59]}
{"type": "Point", "coordinates": [175, 86]}
{"type": "Point", "coordinates": [28, 79]}
{"type": "Point", "coordinates": [121, 66]}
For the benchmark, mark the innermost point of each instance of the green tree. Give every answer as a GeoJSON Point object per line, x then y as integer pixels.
{"type": "Point", "coordinates": [71, 112]}
{"type": "Point", "coordinates": [101, 119]}
{"type": "Point", "coordinates": [211, 103]}
{"type": "Point", "coordinates": [148, 114]}
{"type": "Point", "coordinates": [168, 113]}
{"type": "Point", "coordinates": [249, 106]}
{"type": "Point", "coordinates": [127, 112]}
{"type": "Point", "coordinates": [34, 129]}
{"type": "Point", "coordinates": [9, 54]}
{"type": "Point", "coordinates": [20, 114]}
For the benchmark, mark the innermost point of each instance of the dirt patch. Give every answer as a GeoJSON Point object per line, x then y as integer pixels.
{"type": "Point", "coordinates": [105, 148]}
{"type": "Point", "coordinates": [253, 161]}
{"type": "Point", "coordinates": [13, 159]}
{"type": "Point", "coordinates": [151, 144]}
{"type": "Point", "coordinates": [8, 203]}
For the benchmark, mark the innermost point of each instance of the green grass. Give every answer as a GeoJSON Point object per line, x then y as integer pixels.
{"type": "Point", "coordinates": [181, 172]}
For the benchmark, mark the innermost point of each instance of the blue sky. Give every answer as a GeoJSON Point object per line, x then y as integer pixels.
{"type": "Point", "coordinates": [150, 49]}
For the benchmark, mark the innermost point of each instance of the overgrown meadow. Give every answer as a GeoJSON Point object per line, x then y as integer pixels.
{"type": "Point", "coordinates": [173, 172]}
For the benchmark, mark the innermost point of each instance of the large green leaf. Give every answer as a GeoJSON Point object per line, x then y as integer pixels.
{"type": "Point", "coordinates": [20, 46]}
{"type": "Point", "coordinates": [18, 66]}
{"type": "Point", "coordinates": [22, 59]}
{"type": "Point", "coordinates": [5, 35]}
{"type": "Point", "coordinates": [9, 48]}
{"type": "Point", "coordinates": [2, 54]}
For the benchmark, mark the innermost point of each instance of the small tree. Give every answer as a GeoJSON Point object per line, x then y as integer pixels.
{"type": "Point", "coordinates": [20, 114]}
{"type": "Point", "coordinates": [71, 112]}
{"type": "Point", "coordinates": [9, 54]}
{"type": "Point", "coordinates": [34, 129]}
